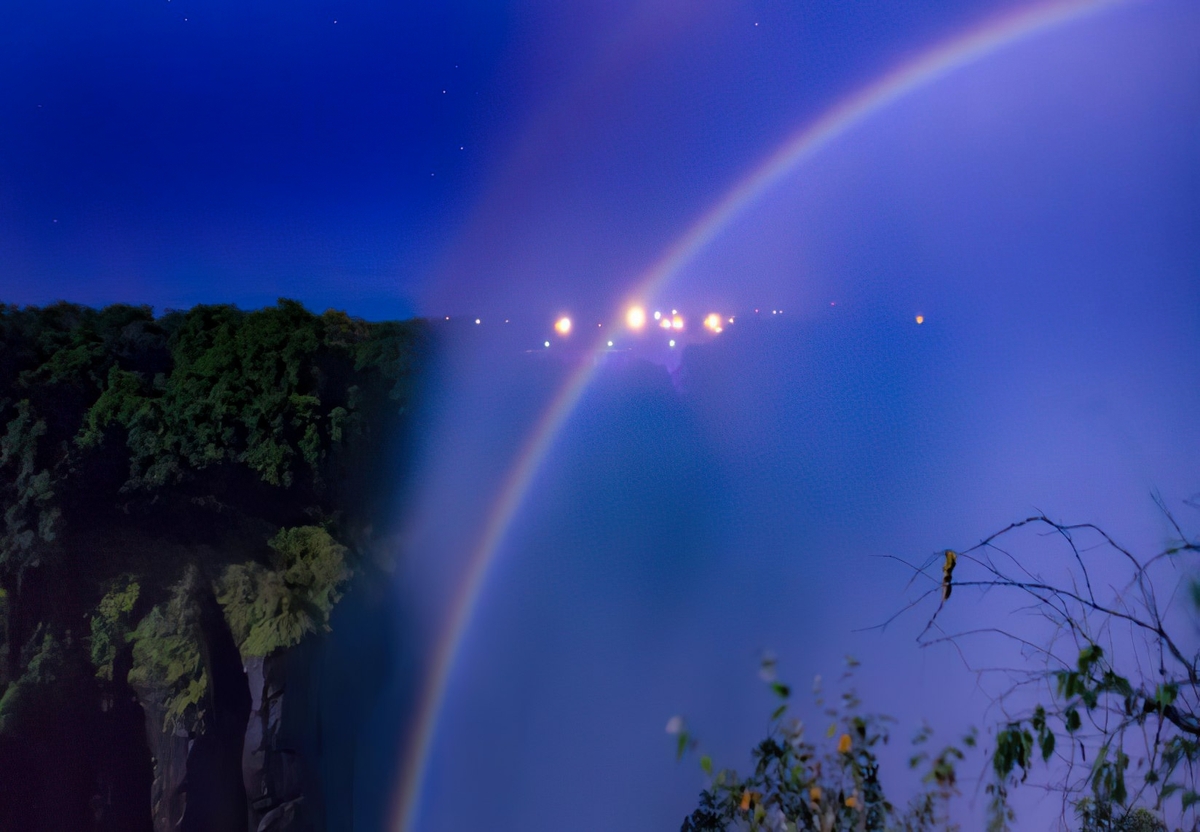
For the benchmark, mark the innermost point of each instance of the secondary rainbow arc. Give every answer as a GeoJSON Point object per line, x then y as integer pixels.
{"type": "Point", "coordinates": [799, 147]}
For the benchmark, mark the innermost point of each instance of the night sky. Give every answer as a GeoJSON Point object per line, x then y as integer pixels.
{"type": "Point", "coordinates": [1037, 208]}
{"type": "Point", "coordinates": [399, 158]}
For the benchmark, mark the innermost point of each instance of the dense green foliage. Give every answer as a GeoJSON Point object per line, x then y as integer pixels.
{"type": "Point", "coordinates": [270, 608]}
{"type": "Point", "coordinates": [143, 458]}
{"type": "Point", "coordinates": [166, 655]}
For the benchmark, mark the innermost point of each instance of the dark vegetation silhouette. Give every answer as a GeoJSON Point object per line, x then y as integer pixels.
{"type": "Point", "coordinates": [180, 494]}
{"type": "Point", "coordinates": [1100, 703]}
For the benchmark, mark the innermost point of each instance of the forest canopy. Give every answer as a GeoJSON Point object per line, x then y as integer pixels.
{"type": "Point", "coordinates": [150, 462]}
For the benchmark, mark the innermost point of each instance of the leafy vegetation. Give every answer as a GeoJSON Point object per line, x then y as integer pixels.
{"type": "Point", "coordinates": [166, 656]}
{"type": "Point", "coordinates": [1108, 703]}
{"type": "Point", "coordinates": [1104, 702]}
{"type": "Point", "coordinates": [827, 784]}
{"type": "Point", "coordinates": [273, 608]}
{"type": "Point", "coordinates": [147, 461]}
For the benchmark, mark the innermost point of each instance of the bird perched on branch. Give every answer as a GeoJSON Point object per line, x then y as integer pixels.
{"type": "Point", "coordinates": [948, 572]}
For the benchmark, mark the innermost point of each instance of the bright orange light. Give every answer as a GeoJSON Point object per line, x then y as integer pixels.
{"type": "Point", "coordinates": [920, 319]}
{"type": "Point", "coordinates": [677, 322]}
{"type": "Point", "coordinates": [563, 325]}
{"type": "Point", "coordinates": [713, 322]}
{"type": "Point", "coordinates": [635, 318]}
{"type": "Point", "coordinates": [665, 323]}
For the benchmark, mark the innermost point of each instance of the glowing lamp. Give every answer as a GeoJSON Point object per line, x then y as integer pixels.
{"type": "Point", "coordinates": [635, 318]}
{"type": "Point", "coordinates": [677, 322]}
{"type": "Point", "coordinates": [920, 319]}
{"type": "Point", "coordinates": [713, 322]}
{"type": "Point", "coordinates": [563, 325]}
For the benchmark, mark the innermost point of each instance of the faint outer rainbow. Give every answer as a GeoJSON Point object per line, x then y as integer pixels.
{"type": "Point", "coordinates": [801, 146]}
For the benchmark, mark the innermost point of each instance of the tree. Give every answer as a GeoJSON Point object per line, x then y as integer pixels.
{"type": "Point", "coordinates": [1102, 705]}
{"type": "Point", "coordinates": [1105, 703]}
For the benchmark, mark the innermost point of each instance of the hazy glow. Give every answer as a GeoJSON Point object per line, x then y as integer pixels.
{"type": "Point", "coordinates": [801, 146]}
{"type": "Point", "coordinates": [657, 315]}
{"type": "Point", "coordinates": [563, 325]}
{"type": "Point", "coordinates": [635, 318]}
{"type": "Point", "coordinates": [713, 322]}
{"type": "Point", "coordinates": [676, 322]}
{"type": "Point", "coordinates": [610, 343]}
{"type": "Point", "coordinates": [665, 323]}
{"type": "Point", "coordinates": [920, 319]}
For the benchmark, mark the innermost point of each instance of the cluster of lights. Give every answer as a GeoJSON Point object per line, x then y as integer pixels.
{"type": "Point", "coordinates": [636, 320]}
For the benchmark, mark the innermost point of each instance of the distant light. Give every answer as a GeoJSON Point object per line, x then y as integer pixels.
{"type": "Point", "coordinates": [920, 319]}
{"type": "Point", "coordinates": [447, 317]}
{"type": "Point", "coordinates": [672, 342]}
{"type": "Point", "coordinates": [674, 311]}
{"type": "Point", "coordinates": [657, 315]}
{"type": "Point", "coordinates": [610, 343]}
{"type": "Point", "coordinates": [665, 323]}
{"type": "Point", "coordinates": [477, 321]}
{"type": "Point", "coordinates": [713, 322]}
{"type": "Point", "coordinates": [506, 320]}
{"type": "Point", "coordinates": [563, 325]}
{"type": "Point", "coordinates": [635, 318]}
{"type": "Point", "coordinates": [730, 320]}
{"type": "Point", "coordinates": [547, 343]}
{"type": "Point", "coordinates": [677, 322]}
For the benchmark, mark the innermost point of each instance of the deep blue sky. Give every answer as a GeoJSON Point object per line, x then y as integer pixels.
{"type": "Point", "coordinates": [394, 158]}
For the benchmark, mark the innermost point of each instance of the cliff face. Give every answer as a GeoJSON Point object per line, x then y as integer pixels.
{"type": "Point", "coordinates": [273, 772]}
{"type": "Point", "coordinates": [168, 754]}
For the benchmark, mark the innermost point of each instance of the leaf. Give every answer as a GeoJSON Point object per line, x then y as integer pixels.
{"type": "Point", "coordinates": [778, 712]}
{"type": "Point", "coordinates": [781, 690]}
{"type": "Point", "coordinates": [1089, 656]}
{"type": "Point", "coordinates": [1165, 694]}
{"type": "Point", "coordinates": [1072, 720]}
{"type": "Point", "coordinates": [1047, 743]}
{"type": "Point", "coordinates": [706, 764]}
